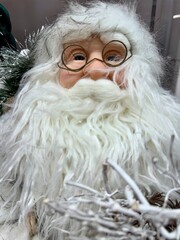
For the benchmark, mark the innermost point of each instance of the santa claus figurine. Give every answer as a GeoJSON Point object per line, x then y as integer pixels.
{"type": "Point", "coordinates": [92, 92]}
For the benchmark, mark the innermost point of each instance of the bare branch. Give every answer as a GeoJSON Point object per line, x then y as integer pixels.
{"type": "Point", "coordinates": [129, 180]}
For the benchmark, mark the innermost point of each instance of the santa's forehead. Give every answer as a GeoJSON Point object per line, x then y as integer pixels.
{"type": "Point", "coordinates": [109, 21]}
{"type": "Point", "coordinates": [105, 37]}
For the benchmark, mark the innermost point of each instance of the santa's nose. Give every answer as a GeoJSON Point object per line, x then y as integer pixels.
{"type": "Point", "coordinates": [95, 69]}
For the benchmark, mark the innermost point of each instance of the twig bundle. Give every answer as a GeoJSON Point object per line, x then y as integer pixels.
{"type": "Point", "coordinates": [133, 217]}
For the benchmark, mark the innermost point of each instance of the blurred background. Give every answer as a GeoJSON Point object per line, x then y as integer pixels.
{"type": "Point", "coordinates": [161, 16]}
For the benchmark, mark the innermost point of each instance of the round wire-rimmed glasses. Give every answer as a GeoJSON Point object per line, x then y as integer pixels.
{"type": "Point", "coordinates": [75, 57]}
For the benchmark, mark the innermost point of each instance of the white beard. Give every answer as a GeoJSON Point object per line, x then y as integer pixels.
{"type": "Point", "coordinates": [54, 135]}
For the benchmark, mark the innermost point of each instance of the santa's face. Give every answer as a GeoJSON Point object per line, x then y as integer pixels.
{"type": "Point", "coordinates": [91, 58]}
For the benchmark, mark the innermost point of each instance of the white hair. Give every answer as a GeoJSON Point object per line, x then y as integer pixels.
{"type": "Point", "coordinates": [111, 21]}
{"type": "Point", "coordinates": [53, 135]}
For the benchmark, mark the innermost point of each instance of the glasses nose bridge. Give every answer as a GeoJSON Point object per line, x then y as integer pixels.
{"type": "Point", "coordinates": [92, 60]}
{"type": "Point", "coordinates": [94, 55]}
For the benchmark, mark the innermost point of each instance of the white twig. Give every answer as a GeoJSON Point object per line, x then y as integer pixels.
{"type": "Point", "coordinates": [129, 180]}
{"type": "Point", "coordinates": [168, 194]}
{"type": "Point", "coordinates": [83, 187]}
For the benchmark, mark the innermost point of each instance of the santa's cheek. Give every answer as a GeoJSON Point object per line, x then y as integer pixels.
{"type": "Point", "coordinates": [68, 79]}
{"type": "Point", "coordinates": [120, 80]}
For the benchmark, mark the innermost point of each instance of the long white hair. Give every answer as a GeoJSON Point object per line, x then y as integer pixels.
{"type": "Point", "coordinates": [53, 135]}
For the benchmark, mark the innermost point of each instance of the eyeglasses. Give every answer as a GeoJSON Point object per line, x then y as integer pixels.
{"type": "Point", "coordinates": [75, 58]}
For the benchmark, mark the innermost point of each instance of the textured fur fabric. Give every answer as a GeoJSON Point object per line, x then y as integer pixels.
{"type": "Point", "coordinates": [53, 135]}
{"type": "Point", "coordinates": [16, 232]}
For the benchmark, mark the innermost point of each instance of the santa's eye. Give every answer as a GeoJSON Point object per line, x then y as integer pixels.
{"type": "Point", "coordinates": [74, 57]}
{"type": "Point", "coordinates": [74, 53]}
{"type": "Point", "coordinates": [79, 57]}
{"type": "Point", "coordinates": [114, 53]}
{"type": "Point", "coordinates": [113, 58]}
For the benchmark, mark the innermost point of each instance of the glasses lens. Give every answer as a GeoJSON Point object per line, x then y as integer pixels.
{"type": "Point", "coordinates": [114, 53]}
{"type": "Point", "coordinates": [74, 57]}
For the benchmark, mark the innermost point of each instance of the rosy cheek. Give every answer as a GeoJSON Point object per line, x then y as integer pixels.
{"type": "Point", "coordinates": [120, 80]}
{"type": "Point", "coordinates": [67, 79]}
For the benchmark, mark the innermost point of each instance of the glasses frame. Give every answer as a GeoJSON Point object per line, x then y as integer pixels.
{"type": "Point", "coordinates": [107, 64]}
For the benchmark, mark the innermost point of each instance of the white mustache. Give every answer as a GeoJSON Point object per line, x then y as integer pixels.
{"type": "Point", "coordinates": [101, 89]}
